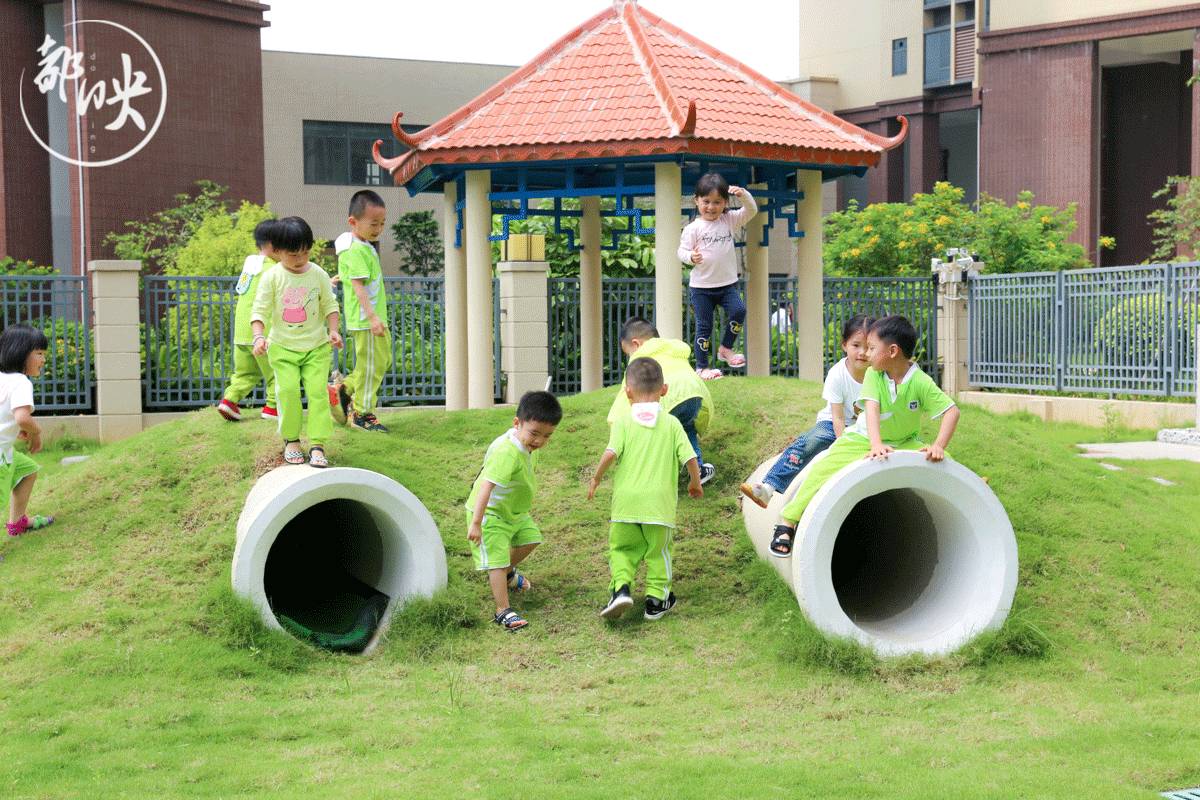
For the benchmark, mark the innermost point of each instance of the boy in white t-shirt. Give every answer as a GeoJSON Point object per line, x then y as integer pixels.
{"type": "Point", "coordinates": [842, 387]}
{"type": "Point", "coordinates": [22, 356]}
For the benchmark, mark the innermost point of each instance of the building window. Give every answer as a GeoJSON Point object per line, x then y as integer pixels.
{"type": "Point", "coordinates": [339, 153]}
{"type": "Point", "coordinates": [900, 56]}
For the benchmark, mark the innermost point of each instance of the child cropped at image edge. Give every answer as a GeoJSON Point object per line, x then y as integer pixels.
{"type": "Point", "coordinates": [22, 356]}
{"type": "Point", "coordinates": [499, 526]}
{"type": "Point", "coordinates": [895, 394]}
{"type": "Point", "coordinates": [687, 398]}
{"type": "Point", "coordinates": [296, 300]}
{"type": "Point", "coordinates": [249, 369]}
{"type": "Point", "coordinates": [647, 447]}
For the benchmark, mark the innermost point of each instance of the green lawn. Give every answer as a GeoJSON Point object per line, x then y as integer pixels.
{"type": "Point", "coordinates": [128, 670]}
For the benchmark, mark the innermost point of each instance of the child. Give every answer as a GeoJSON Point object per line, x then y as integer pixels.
{"type": "Point", "coordinates": [648, 447]}
{"type": "Point", "coordinates": [22, 356]}
{"type": "Point", "coordinates": [687, 397]}
{"type": "Point", "coordinates": [499, 527]}
{"type": "Point", "coordinates": [296, 301]}
{"type": "Point", "coordinates": [707, 243]}
{"type": "Point", "coordinates": [365, 303]}
{"type": "Point", "coordinates": [895, 392]}
{"type": "Point", "coordinates": [249, 369]}
{"type": "Point", "coordinates": [842, 387]}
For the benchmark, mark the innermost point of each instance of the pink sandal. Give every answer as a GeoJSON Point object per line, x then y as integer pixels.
{"type": "Point", "coordinates": [709, 374]}
{"type": "Point", "coordinates": [26, 524]}
{"type": "Point", "coordinates": [735, 360]}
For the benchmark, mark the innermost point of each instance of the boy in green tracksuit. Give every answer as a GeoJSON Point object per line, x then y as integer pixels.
{"type": "Point", "coordinates": [364, 302]}
{"type": "Point", "coordinates": [687, 395]}
{"type": "Point", "coordinates": [501, 531]}
{"type": "Point", "coordinates": [249, 369]}
{"type": "Point", "coordinates": [895, 394]}
{"type": "Point", "coordinates": [296, 300]}
{"type": "Point", "coordinates": [648, 447]}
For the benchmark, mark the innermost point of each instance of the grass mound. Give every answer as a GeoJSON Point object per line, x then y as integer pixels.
{"type": "Point", "coordinates": [131, 670]}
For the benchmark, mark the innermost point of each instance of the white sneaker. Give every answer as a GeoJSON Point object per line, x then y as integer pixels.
{"type": "Point", "coordinates": [760, 493]}
{"type": "Point", "coordinates": [707, 473]}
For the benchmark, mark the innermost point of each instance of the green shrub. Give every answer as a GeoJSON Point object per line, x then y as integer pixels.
{"type": "Point", "coordinates": [1133, 329]}
{"type": "Point", "coordinates": [157, 239]}
{"type": "Point", "coordinates": [1177, 224]}
{"type": "Point", "coordinates": [418, 242]}
{"type": "Point", "coordinates": [13, 266]}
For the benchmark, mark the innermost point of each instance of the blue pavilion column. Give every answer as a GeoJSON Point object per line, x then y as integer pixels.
{"type": "Point", "coordinates": [668, 269]}
{"type": "Point", "coordinates": [591, 331]}
{"type": "Point", "coordinates": [477, 224]}
{"type": "Point", "coordinates": [456, 302]}
{"type": "Point", "coordinates": [809, 321]}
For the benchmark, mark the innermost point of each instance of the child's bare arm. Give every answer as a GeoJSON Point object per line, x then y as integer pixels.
{"type": "Point", "coordinates": [606, 461]}
{"type": "Point", "coordinates": [475, 530]}
{"type": "Point", "coordinates": [839, 419]}
{"type": "Point", "coordinates": [878, 448]}
{"type": "Point", "coordinates": [334, 321]}
{"type": "Point", "coordinates": [30, 430]}
{"type": "Point", "coordinates": [364, 302]}
{"type": "Point", "coordinates": [937, 450]}
{"type": "Point", "coordinates": [694, 487]}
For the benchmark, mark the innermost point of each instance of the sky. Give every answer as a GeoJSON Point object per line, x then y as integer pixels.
{"type": "Point", "coordinates": [763, 34]}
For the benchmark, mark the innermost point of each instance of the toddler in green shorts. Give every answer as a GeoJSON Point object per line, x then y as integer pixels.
{"type": "Point", "coordinates": [249, 369]}
{"type": "Point", "coordinates": [22, 356]}
{"type": "Point", "coordinates": [648, 445]}
{"type": "Point", "coordinates": [501, 531]}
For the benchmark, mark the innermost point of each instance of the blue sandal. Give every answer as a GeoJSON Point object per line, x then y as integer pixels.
{"type": "Point", "coordinates": [510, 620]}
{"type": "Point", "coordinates": [518, 582]}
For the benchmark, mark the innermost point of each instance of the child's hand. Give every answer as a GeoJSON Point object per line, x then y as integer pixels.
{"type": "Point", "coordinates": [879, 452]}
{"type": "Point", "coordinates": [335, 339]}
{"type": "Point", "coordinates": [736, 191]}
{"type": "Point", "coordinates": [593, 485]}
{"type": "Point", "coordinates": [933, 452]}
{"type": "Point", "coordinates": [260, 346]}
{"type": "Point", "coordinates": [696, 257]}
{"type": "Point", "coordinates": [378, 328]}
{"type": "Point", "coordinates": [695, 489]}
{"type": "Point", "coordinates": [35, 442]}
{"type": "Point", "coordinates": [475, 532]}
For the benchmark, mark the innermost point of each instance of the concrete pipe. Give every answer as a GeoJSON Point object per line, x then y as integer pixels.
{"type": "Point", "coordinates": [903, 555]}
{"type": "Point", "coordinates": [329, 554]}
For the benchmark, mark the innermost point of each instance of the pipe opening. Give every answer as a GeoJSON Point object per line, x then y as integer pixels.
{"type": "Point", "coordinates": [322, 575]}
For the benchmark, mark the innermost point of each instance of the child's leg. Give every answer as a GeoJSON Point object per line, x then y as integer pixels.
{"type": "Point", "coordinates": [20, 497]}
{"type": "Point", "coordinates": [659, 541]}
{"type": "Point", "coordinates": [360, 340]}
{"type": "Point", "coordinates": [626, 549]}
{"type": "Point", "coordinates": [314, 372]}
{"type": "Point", "coordinates": [286, 365]}
{"type": "Point", "coordinates": [379, 359]}
{"type": "Point", "coordinates": [735, 314]}
{"type": "Point", "coordinates": [845, 450]}
{"type": "Point", "coordinates": [798, 454]}
{"type": "Point", "coordinates": [268, 377]}
{"type": "Point", "coordinates": [498, 581]}
{"type": "Point", "coordinates": [525, 539]}
{"type": "Point", "coordinates": [686, 412]}
{"type": "Point", "coordinates": [246, 373]}
{"type": "Point", "coordinates": [703, 303]}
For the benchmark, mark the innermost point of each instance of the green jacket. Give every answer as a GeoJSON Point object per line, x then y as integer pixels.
{"type": "Point", "coordinates": [680, 376]}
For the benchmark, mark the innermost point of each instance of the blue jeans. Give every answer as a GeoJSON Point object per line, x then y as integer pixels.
{"type": "Point", "coordinates": [798, 454]}
{"type": "Point", "coordinates": [686, 412]}
{"type": "Point", "coordinates": [704, 302]}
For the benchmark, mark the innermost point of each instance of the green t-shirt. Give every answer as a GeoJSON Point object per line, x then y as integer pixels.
{"type": "Point", "coordinates": [510, 466]}
{"type": "Point", "coordinates": [900, 415]}
{"type": "Point", "coordinates": [246, 289]}
{"type": "Point", "coordinates": [682, 381]}
{"type": "Point", "coordinates": [360, 261]}
{"type": "Point", "coordinates": [646, 477]}
{"type": "Point", "coordinates": [294, 307]}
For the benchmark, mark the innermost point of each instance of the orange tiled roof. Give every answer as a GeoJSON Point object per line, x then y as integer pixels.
{"type": "Point", "coordinates": [628, 83]}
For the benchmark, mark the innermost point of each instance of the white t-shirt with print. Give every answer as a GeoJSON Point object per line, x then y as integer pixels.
{"type": "Point", "coordinates": [16, 390]}
{"type": "Point", "coordinates": [840, 387]}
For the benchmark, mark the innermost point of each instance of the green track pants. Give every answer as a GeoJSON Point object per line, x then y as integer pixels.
{"type": "Point", "coordinates": [629, 544]}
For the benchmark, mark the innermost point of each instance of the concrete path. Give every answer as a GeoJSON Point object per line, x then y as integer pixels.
{"type": "Point", "coordinates": [1142, 451]}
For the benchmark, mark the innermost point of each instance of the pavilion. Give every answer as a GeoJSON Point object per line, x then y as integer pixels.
{"type": "Point", "coordinates": [626, 105]}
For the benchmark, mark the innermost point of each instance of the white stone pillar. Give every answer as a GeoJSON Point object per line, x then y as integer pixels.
{"type": "Point", "coordinates": [809, 322]}
{"type": "Point", "coordinates": [477, 224]}
{"type": "Point", "coordinates": [524, 327]}
{"type": "Point", "coordinates": [952, 337]}
{"type": "Point", "coordinates": [118, 364]}
{"type": "Point", "coordinates": [591, 332]}
{"type": "Point", "coordinates": [758, 297]}
{"type": "Point", "coordinates": [668, 269]}
{"type": "Point", "coordinates": [456, 302]}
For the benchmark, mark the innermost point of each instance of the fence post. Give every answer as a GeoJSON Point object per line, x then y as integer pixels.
{"type": "Point", "coordinates": [953, 331]}
{"type": "Point", "coordinates": [118, 364]}
{"type": "Point", "coordinates": [524, 327]}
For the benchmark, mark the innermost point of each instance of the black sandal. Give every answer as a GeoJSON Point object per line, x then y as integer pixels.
{"type": "Point", "coordinates": [510, 620]}
{"type": "Point", "coordinates": [782, 547]}
{"type": "Point", "coordinates": [293, 456]}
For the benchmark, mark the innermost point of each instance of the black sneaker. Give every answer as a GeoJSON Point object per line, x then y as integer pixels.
{"type": "Point", "coordinates": [367, 422]}
{"type": "Point", "coordinates": [618, 604]}
{"type": "Point", "coordinates": [657, 609]}
{"type": "Point", "coordinates": [707, 473]}
{"type": "Point", "coordinates": [344, 400]}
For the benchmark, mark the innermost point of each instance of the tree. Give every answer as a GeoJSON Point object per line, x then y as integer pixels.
{"type": "Point", "coordinates": [157, 239]}
{"type": "Point", "coordinates": [418, 242]}
{"type": "Point", "coordinates": [1177, 224]}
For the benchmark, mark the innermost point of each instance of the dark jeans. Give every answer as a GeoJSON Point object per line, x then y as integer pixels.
{"type": "Point", "coordinates": [704, 301]}
{"type": "Point", "coordinates": [686, 412]}
{"type": "Point", "coordinates": [798, 454]}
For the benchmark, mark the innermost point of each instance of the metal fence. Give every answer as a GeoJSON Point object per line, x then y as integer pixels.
{"type": "Point", "coordinates": [1111, 330]}
{"type": "Point", "coordinates": [914, 298]}
{"type": "Point", "coordinates": [59, 306]}
{"type": "Point", "coordinates": [188, 339]}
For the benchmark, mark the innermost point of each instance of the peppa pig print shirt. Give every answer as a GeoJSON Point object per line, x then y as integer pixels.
{"type": "Point", "coordinates": [294, 307]}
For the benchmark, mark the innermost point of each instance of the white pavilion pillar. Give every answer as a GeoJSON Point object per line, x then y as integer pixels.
{"type": "Point", "coordinates": [477, 227]}
{"type": "Point", "coordinates": [809, 321]}
{"type": "Point", "coordinates": [668, 270]}
{"type": "Point", "coordinates": [591, 332]}
{"type": "Point", "coordinates": [456, 303]}
{"type": "Point", "coordinates": [758, 296]}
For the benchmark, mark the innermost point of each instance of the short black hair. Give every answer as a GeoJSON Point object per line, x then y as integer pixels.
{"type": "Point", "coordinates": [638, 328]}
{"type": "Point", "coordinates": [16, 343]}
{"type": "Point", "coordinates": [539, 407]}
{"type": "Point", "coordinates": [710, 181]}
{"type": "Point", "coordinates": [363, 199]}
{"type": "Point", "coordinates": [291, 235]}
{"type": "Point", "coordinates": [859, 323]}
{"type": "Point", "coordinates": [644, 376]}
{"type": "Point", "coordinates": [897, 330]}
{"type": "Point", "coordinates": [262, 232]}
